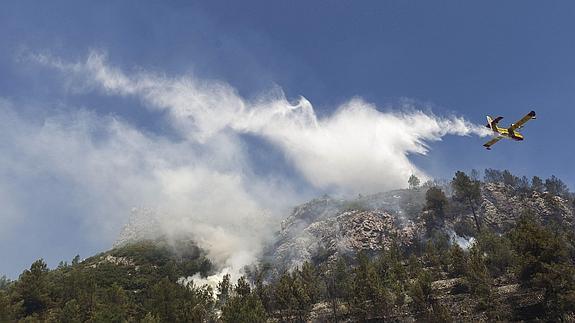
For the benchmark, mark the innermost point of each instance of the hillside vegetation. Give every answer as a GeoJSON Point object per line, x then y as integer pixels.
{"type": "Point", "coordinates": [501, 249]}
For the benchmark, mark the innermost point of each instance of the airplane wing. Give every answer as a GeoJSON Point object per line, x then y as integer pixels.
{"type": "Point", "coordinates": [492, 142]}
{"type": "Point", "coordinates": [496, 121]}
{"type": "Point", "coordinates": [520, 123]}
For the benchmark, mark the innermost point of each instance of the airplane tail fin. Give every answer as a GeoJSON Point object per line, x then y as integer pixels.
{"type": "Point", "coordinates": [489, 121]}
{"type": "Point", "coordinates": [492, 124]}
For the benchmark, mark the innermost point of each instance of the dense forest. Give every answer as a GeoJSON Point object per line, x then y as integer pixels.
{"type": "Point", "coordinates": [524, 271]}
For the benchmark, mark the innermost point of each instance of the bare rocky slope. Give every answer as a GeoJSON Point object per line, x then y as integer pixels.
{"type": "Point", "coordinates": [325, 227]}
{"type": "Point", "coordinates": [501, 207]}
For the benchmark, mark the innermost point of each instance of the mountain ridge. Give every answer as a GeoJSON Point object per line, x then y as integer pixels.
{"type": "Point", "coordinates": [406, 255]}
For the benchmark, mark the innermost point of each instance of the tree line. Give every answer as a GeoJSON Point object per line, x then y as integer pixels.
{"type": "Point", "coordinates": [379, 285]}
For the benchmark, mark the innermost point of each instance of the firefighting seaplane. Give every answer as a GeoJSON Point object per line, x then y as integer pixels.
{"type": "Point", "coordinates": [510, 133]}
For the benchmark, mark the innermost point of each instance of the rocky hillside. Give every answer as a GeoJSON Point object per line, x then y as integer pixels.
{"type": "Point", "coordinates": [502, 206]}
{"type": "Point", "coordinates": [324, 228]}
{"type": "Point", "coordinates": [407, 255]}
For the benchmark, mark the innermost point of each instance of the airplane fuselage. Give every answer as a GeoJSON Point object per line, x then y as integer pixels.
{"type": "Point", "coordinates": [514, 135]}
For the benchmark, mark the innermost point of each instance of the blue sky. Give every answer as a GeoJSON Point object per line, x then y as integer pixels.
{"type": "Point", "coordinates": [452, 58]}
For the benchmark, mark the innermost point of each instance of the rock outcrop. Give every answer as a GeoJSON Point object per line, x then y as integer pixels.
{"type": "Point", "coordinates": [502, 206]}
{"type": "Point", "coordinates": [324, 228]}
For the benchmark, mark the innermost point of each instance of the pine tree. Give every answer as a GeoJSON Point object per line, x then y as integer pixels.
{"type": "Point", "coordinates": [414, 266]}
{"type": "Point", "coordinates": [480, 285]}
{"type": "Point", "coordinates": [522, 185]}
{"type": "Point", "coordinates": [194, 304]}
{"type": "Point", "coordinates": [81, 285]}
{"type": "Point", "coordinates": [163, 300]}
{"type": "Point", "coordinates": [32, 289]}
{"type": "Point", "coordinates": [242, 287]}
{"type": "Point", "coordinates": [477, 275]}
{"type": "Point", "coordinates": [283, 297]}
{"type": "Point", "coordinates": [338, 285]}
{"type": "Point", "coordinates": [301, 296]}
{"type": "Point", "coordinates": [4, 282]}
{"type": "Point", "coordinates": [537, 184]}
{"type": "Point", "coordinates": [393, 273]}
{"type": "Point", "coordinates": [413, 182]}
{"type": "Point", "coordinates": [370, 297]}
{"type": "Point", "coordinates": [291, 297]}
{"type": "Point", "coordinates": [431, 256]}
{"type": "Point", "coordinates": [493, 176]}
{"type": "Point", "coordinates": [263, 291]}
{"type": "Point", "coordinates": [113, 305]}
{"type": "Point", "coordinates": [558, 284]}
{"type": "Point", "coordinates": [224, 288]}
{"type": "Point", "coordinates": [509, 179]}
{"type": "Point", "coordinates": [71, 312]}
{"type": "Point", "coordinates": [435, 204]}
{"type": "Point", "coordinates": [555, 186]}
{"type": "Point", "coordinates": [458, 261]}
{"type": "Point", "coordinates": [498, 252]}
{"type": "Point", "coordinates": [244, 305]}
{"type": "Point", "coordinates": [422, 295]}
{"type": "Point", "coordinates": [536, 248]}
{"type": "Point", "coordinates": [76, 260]}
{"type": "Point", "coordinates": [247, 308]}
{"type": "Point", "coordinates": [310, 281]}
{"type": "Point", "coordinates": [5, 310]}
{"type": "Point", "coordinates": [343, 280]}
{"type": "Point", "coordinates": [331, 290]}
{"type": "Point", "coordinates": [467, 191]}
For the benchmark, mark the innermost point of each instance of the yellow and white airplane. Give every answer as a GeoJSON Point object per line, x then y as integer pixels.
{"type": "Point", "coordinates": [510, 133]}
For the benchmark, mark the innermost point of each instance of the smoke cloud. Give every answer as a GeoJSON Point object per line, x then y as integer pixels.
{"type": "Point", "coordinates": [203, 182]}
{"type": "Point", "coordinates": [357, 148]}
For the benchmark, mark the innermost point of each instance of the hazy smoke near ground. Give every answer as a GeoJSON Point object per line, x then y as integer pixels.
{"type": "Point", "coordinates": [203, 183]}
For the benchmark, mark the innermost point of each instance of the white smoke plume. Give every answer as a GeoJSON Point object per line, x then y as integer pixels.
{"type": "Point", "coordinates": [357, 148]}
{"type": "Point", "coordinates": [203, 182]}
